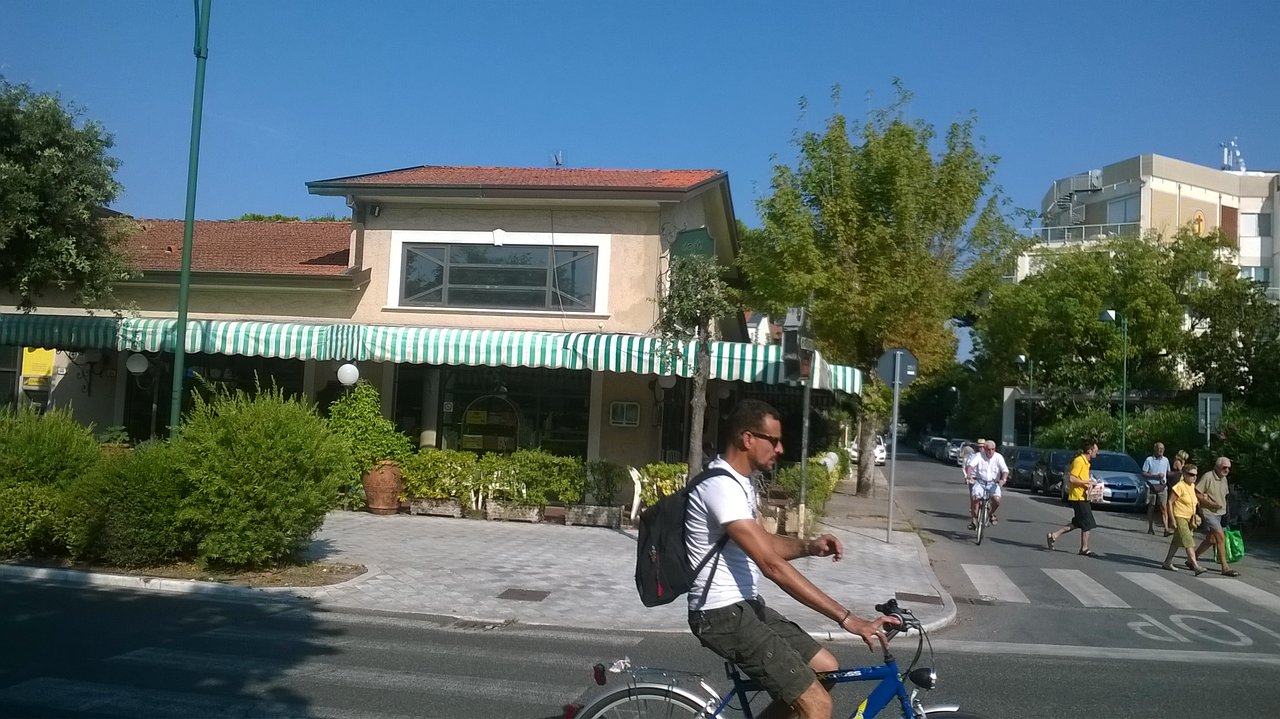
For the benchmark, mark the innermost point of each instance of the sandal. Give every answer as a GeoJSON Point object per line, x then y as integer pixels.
{"type": "Point", "coordinates": [1049, 540]}
{"type": "Point", "coordinates": [1189, 565]}
{"type": "Point", "coordinates": [1087, 553]}
{"type": "Point", "coordinates": [972, 525]}
{"type": "Point", "coordinates": [1168, 567]}
{"type": "Point", "coordinates": [994, 521]}
{"type": "Point", "coordinates": [1230, 573]}
{"type": "Point", "coordinates": [1200, 570]}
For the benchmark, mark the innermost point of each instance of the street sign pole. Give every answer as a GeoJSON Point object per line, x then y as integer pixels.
{"type": "Point", "coordinates": [899, 367]}
{"type": "Point", "coordinates": [893, 441]}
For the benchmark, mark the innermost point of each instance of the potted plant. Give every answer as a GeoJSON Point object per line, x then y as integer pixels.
{"type": "Point", "coordinates": [599, 508]}
{"type": "Point", "coordinates": [435, 480]}
{"type": "Point", "coordinates": [114, 439]}
{"type": "Point", "coordinates": [375, 447]}
{"type": "Point", "coordinates": [523, 483]}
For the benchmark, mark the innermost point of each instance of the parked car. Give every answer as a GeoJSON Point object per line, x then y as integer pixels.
{"type": "Point", "coordinates": [952, 452]}
{"type": "Point", "coordinates": [1051, 468]}
{"type": "Point", "coordinates": [936, 446]}
{"type": "Point", "coordinates": [1022, 464]}
{"type": "Point", "coordinates": [882, 451]}
{"type": "Point", "coordinates": [1122, 482]}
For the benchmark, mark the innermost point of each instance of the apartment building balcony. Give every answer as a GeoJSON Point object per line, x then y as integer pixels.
{"type": "Point", "coordinates": [1067, 234]}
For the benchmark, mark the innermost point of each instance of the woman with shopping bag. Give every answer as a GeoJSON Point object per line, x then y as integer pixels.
{"type": "Point", "coordinates": [1184, 500]}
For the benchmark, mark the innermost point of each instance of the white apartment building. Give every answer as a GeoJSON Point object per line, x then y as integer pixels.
{"type": "Point", "coordinates": [1154, 192]}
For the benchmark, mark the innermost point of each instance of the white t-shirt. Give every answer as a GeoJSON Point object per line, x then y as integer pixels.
{"type": "Point", "coordinates": [988, 469]}
{"type": "Point", "coordinates": [715, 502]}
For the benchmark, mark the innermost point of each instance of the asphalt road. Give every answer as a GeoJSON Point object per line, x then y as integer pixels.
{"type": "Point", "coordinates": [1039, 634]}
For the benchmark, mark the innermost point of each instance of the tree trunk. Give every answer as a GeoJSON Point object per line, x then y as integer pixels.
{"type": "Point", "coordinates": [868, 425]}
{"type": "Point", "coordinates": [698, 402]}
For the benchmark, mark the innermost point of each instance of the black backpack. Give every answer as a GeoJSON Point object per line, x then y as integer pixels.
{"type": "Point", "coordinates": [663, 571]}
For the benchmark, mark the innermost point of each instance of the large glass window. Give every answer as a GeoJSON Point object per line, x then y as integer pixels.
{"type": "Point", "coordinates": [501, 277]}
{"type": "Point", "coordinates": [1125, 209]}
{"type": "Point", "coordinates": [1257, 273]}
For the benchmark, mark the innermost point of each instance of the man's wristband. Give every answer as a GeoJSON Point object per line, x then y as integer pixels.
{"type": "Point", "coordinates": [847, 613]}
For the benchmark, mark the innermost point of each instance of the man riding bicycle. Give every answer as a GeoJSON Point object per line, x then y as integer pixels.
{"type": "Point", "coordinates": [986, 473]}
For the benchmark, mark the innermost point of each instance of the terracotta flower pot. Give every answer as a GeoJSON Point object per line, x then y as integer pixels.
{"type": "Point", "coordinates": [382, 487]}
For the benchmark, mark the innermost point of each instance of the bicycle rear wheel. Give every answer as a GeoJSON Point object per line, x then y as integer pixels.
{"type": "Point", "coordinates": [642, 703]}
{"type": "Point", "coordinates": [982, 519]}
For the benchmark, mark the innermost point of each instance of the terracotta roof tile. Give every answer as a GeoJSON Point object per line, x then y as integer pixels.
{"type": "Point", "coordinates": [287, 248]}
{"type": "Point", "coordinates": [534, 177]}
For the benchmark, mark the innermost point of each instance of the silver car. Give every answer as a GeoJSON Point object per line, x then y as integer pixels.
{"type": "Point", "coordinates": [1122, 482]}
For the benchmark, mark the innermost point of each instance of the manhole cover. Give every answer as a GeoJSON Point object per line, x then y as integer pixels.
{"type": "Point", "coordinates": [918, 598]}
{"type": "Point", "coordinates": [524, 595]}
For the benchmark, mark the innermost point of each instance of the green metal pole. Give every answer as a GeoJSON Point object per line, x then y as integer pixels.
{"type": "Point", "coordinates": [188, 230]}
{"type": "Point", "coordinates": [1124, 380]}
{"type": "Point", "coordinates": [1031, 406]}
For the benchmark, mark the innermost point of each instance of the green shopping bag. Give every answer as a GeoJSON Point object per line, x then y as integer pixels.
{"type": "Point", "coordinates": [1235, 545]}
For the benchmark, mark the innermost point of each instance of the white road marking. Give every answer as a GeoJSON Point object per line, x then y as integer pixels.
{"type": "Point", "coordinates": [1085, 589]}
{"type": "Point", "coordinates": [1068, 651]}
{"type": "Point", "coordinates": [1247, 592]}
{"type": "Point", "coordinates": [991, 581]}
{"type": "Point", "coordinates": [1175, 595]}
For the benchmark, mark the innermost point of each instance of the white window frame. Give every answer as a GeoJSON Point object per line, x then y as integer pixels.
{"type": "Point", "coordinates": [624, 414]}
{"type": "Point", "coordinates": [598, 241]}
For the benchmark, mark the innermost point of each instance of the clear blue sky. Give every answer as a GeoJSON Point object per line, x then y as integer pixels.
{"type": "Point", "coordinates": [300, 91]}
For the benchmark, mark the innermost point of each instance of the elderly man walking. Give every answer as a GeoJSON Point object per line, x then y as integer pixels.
{"type": "Point", "coordinates": [1213, 486]}
{"type": "Point", "coordinates": [1156, 470]}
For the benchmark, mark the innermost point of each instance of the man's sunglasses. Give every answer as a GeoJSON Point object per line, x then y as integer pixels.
{"type": "Point", "coordinates": [775, 441]}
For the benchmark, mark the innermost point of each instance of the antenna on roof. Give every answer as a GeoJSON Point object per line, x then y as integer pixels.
{"type": "Point", "coordinates": [557, 159]}
{"type": "Point", "coordinates": [1232, 159]}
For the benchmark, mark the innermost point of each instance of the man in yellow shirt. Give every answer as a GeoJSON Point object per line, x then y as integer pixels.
{"type": "Point", "coordinates": [1184, 497]}
{"type": "Point", "coordinates": [1077, 480]}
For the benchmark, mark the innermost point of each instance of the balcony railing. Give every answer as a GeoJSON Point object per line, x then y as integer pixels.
{"type": "Point", "coordinates": [1065, 234]}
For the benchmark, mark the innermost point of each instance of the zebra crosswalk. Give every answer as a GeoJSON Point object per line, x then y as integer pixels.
{"type": "Point", "coordinates": [1116, 589]}
{"type": "Point", "coordinates": [346, 666]}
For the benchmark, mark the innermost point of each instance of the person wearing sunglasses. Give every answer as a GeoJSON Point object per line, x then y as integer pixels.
{"type": "Point", "coordinates": [1213, 486]}
{"type": "Point", "coordinates": [726, 612]}
{"type": "Point", "coordinates": [1182, 502]}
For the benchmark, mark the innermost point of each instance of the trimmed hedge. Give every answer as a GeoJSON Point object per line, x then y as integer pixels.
{"type": "Point", "coordinates": [48, 449]}
{"type": "Point", "coordinates": [439, 474]}
{"type": "Point", "coordinates": [533, 476]}
{"type": "Point", "coordinates": [28, 520]}
{"type": "Point", "coordinates": [263, 471]}
{"type": "Point", "coordinates": [125, 513]}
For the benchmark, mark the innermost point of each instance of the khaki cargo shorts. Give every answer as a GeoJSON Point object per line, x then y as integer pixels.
{"type": "Point", "coordinates": [764, 644]}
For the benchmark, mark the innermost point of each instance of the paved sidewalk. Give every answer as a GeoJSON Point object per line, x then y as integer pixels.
{"type": "Point", "coordinates": [581, 577]}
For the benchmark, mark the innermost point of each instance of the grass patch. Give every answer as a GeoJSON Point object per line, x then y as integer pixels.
{"type": "Point", "coordinates": [309, 574]}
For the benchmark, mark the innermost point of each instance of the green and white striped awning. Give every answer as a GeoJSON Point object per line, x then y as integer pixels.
{"type": "Point", "coordinates": [64, 332]}
{"type": "Point", "coordinates": [598, 352]}
{"type": "Point", "coordinates": [257, 339]}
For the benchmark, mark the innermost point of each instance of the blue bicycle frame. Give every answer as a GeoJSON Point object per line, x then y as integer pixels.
{"type": "Point", "coordinates": [890, 685]}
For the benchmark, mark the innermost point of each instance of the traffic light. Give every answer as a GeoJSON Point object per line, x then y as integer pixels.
{"type": "Point", "coordinates": [793, 332]}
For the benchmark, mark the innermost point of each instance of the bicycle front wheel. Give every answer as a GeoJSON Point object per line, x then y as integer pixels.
{"type": "Point", "coordinates": [982, 520]}
{"type": "Point", "coordinates": [643, 703]}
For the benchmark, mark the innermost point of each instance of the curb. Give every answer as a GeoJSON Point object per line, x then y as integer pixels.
{"type": "Point", "coordinates": [153, 584]}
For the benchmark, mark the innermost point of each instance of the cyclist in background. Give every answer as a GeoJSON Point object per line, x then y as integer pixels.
{"type": "Point", "coordinates": [987, 473]}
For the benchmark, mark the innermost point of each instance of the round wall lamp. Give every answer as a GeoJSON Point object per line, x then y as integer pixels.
{"type": "Point", "coordinates": [348, 374]}
{"type": "Point", "coordinates": [137, 364]}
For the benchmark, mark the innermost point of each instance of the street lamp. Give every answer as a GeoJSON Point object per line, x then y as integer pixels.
{"type": "Point", "coordinates": [138, 365]}
{"type": "Point", "coordinates": [1112, 316]}
{"type": "Point", "coordinates": [1030, 364]}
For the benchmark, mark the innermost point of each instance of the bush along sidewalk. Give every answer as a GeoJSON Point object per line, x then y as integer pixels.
{"type": "Point", "coordinates": [225, 494]}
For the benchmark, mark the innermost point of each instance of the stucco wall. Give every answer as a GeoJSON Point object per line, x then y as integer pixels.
{"type": "Point", "coordinates": [634, 248]}
{"type": "Point", "coordinates": [635, 446]}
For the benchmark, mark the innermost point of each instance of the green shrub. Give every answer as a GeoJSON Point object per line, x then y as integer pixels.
{"type": "Point", "coordinates": [369, 438]}
{"type": "Point", "coordinates": [1251, 438]}
{"type": "Point", "coordinates": [661, 479]}
{"type": "Point", "coordinates": [1096, 424]}
{"type": "Point", "coordinates": [532, 476]}
{"type": "Point", "coordinates": [820, 485]}
{"type": "Point", "coordinates": [50, 448]}
{"type": "Point", "coordinates": [1175, 426]}
{"type": "Point", "coordinates": [263, 472]}
{"type": "Point", "coordinates": [439, 474]}
{"type": "Point", "coordinates": [28, 517]}
{"type": "Point", "coordinates": [603, 479]}
{"type": "Point", "coordinates": [125, 513]}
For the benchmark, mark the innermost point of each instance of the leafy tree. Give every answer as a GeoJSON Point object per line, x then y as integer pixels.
{"type": "Point", "coordinates": [56, 181]}
{"type": "Point", "coordinates": [259, 217]}
{"type": "Point", "coordinates": [882, 229]}
{"type": "Point", "coordinates": [330, 217]}
{"type": "Point", "coordinates": [1235, 339]}
{"type": "Point", "coordinates": [1053, 318]}
{"type": "Point", "coordinates": [694, 297]}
